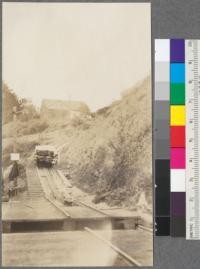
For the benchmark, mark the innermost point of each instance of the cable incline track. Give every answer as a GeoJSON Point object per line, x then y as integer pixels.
{"type": "Point", "coordinates": [52, 190]}
{"type": "Point", "coordinates": [50, 180]}
{"type": "Point", "coordinates": [48, 194]}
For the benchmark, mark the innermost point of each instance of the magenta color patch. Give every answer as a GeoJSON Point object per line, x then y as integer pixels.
{"type": "Point", "coordinates": [177, 158]}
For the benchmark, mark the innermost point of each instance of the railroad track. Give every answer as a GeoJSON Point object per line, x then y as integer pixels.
{"type": "Point", "coordinates": [43, 176]}
{"type": "Point", "coordinates": [53, 191]}
{"type": "Point", "coordinates": [53, 188]}
{"type": "Point", "coordinates": [47, 179]}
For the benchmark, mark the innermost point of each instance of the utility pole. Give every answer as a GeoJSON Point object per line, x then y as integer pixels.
{"type": "Point", "coordinates": [15, 113]}
{"type": "Point", "coordinates": [14, 121]}
{"type": "Point", "coordinates": [14, 156]}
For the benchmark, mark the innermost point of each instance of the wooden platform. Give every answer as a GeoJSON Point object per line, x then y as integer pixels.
{"type": "Point", "coordinates": [40, 214]}
{"type": "Point", "coordinates": [42, 209]}
{"type": "Point", "coordinates": [75, 248]}
{"type": "Point", "coordinates": [120, 213]}
{"type": "Point", "coordinates": [30, 210]}
{"type": "Point", "coordinates": [79, 212]}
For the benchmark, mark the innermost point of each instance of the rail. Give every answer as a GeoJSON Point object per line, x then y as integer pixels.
{"type": "Point", "coordinates": [92, 208]}
{"type": "Point", "coordinates": [131, 261]}
{"type": "Point", "coordinates": [49, 173]}
{"type": "Point", "coordinates": [142, 227]}
{"type": "Point", "coordinates": [48, 198]}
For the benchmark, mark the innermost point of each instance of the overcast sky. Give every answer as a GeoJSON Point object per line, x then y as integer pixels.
{"type": "Point", "coordinates": [84, 52]}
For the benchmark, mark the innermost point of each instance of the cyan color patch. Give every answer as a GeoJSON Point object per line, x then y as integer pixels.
{"type": "Point", "coordinates": [177, 73]}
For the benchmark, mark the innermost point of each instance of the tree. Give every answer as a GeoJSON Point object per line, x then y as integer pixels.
{"type": "Point", "coordinates": [123, 153]}
{"type": "Point", "coordinates": [10, 100]}
{"type": "Point", "coordinates": [23, 108]}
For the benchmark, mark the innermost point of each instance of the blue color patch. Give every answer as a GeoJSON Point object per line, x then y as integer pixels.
{"type": "Point", "coordinates": [177, 73]}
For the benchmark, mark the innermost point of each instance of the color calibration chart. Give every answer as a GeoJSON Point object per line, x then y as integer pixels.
{"type": "Point", "coordinates": [177, 138]}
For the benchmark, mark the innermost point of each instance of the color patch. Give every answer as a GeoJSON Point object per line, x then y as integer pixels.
{"type": "Point", "coordinates": [161, 110]}
{"type": "Point", "coordinates": [162, 129]}
{"type": "Point", "coordinates": [162, 227]}
{"type": "Point", "coordinates": [162, 91]}
{"type": "Point", "coordinates": [177, 136]}
{"type": "Point", "coordinates": [177, 73]}
{"type": "Point", "coordinates": [162, 191]}
{"type": "Point", "coordinates": [178, 226]}
{"type": "Point", "coordinates": [177, 115]}
{"type": "Point", "coordinates": [177, 157]}
{"type": "Point", "coordinates": [178, 203]}
{"type": "Point", "coordinates": [177, 94]}
{"type": "Point", "coordinates": [162, 51]}
{"type": "Point", "coordinates": [177, 177]}
{"type": "Point", "coordinates": [177, 50]}
{"type": "Point", "coordinates": [161, 72]}
{"type": "Point", "coordinates": [162, 150]}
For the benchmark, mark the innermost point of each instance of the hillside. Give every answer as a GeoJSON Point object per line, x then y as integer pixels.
{"type": "Point", "coordinates": [107, 155]}
{"type": "Point", "coordinates": [113, 156]}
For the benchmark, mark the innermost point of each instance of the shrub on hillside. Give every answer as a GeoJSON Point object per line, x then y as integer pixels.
{"type": "Point", "coordinates": [20, 128]}
{"type": "Point", "coordinates": [80, 123]}
{"type": "Point", "coordinates": [35, 126]}
{"type": "Point", "coordinates": [25, 149]}
{"type": "Point", "coordinates": [103, 111]}
{"type": "Point", "coordinates": [110, 170]}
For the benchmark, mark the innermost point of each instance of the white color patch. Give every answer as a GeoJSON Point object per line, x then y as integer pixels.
{"type": "Point", "coordinates": [177, 177]}
{"type": "Point", "coordinates": [162, 50]}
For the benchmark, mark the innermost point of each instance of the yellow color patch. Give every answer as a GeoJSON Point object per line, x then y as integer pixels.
{"type": "Point", "coordinates": [177, 115]}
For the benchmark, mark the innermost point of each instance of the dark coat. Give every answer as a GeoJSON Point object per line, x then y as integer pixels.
{"type": "Point", "coordinates": [14, 172]}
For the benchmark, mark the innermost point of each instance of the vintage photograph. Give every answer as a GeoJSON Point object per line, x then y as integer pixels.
{"type": "Point", "coordinates": [76, 134]}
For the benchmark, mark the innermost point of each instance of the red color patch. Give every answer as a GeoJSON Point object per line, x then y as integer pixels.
{"type": "Point", "coordinates": [177, 136]}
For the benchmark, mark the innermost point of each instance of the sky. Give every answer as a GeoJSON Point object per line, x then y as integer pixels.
{"type": "Point", "coordinates": [86, 52]}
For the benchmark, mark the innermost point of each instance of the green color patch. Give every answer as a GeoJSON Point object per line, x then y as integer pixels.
{"type": "Point", "coordinates": [177, 94]}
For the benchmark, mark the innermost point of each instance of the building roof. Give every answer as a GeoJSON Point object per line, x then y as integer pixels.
{"type": "Point", "coordinates": [46, 147]}
{"type": "Point", "coordinates": [65, 105]}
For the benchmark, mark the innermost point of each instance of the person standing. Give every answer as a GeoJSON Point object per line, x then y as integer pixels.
{"type": "Point", "coordinates": [14, 173]}
{"type": "Point", "coordinates": [7, 184]}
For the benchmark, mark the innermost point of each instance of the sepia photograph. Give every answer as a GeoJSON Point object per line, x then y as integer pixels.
{"type": "Point", "coordinates": [76, 134]}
